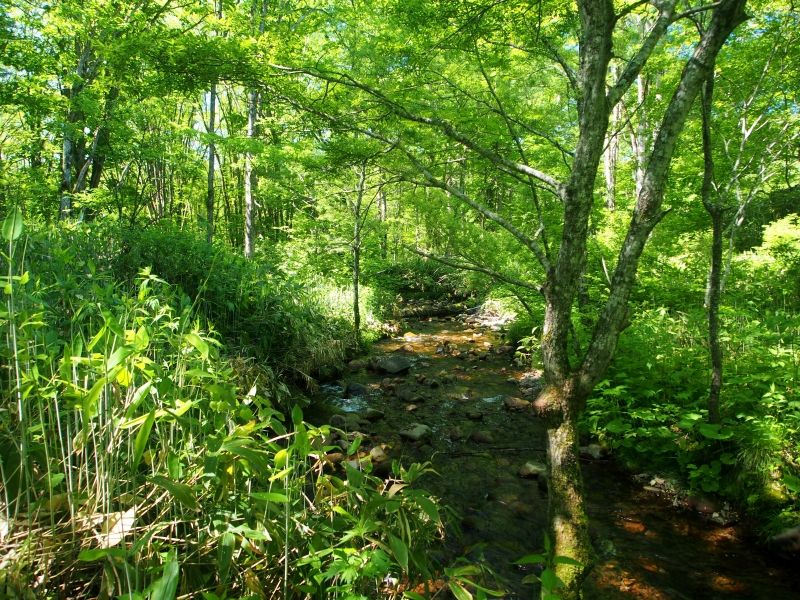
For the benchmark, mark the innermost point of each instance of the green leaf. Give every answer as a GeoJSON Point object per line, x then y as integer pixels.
{"type": "Point", "coordinates": [167, 586]}
{"type": "Point", "coordinates": [531, 559]}
{"type": "Point", "coordinates": [459, 591]}
{"type": "Point", "coordinates": [180, 491]}
{"type": "Point", "coordinates": [281, 457]}
{"type": "Point", "coordinates": [142, 437]}
{"type": "Point", "coordinates": [618, 426]}
{"type": "Point", "coordinates": [199, 343]}
{"type": "Point", "coordinates": [714, 431]}
{"type": "Point", "coordinates": [413, 596]}
{"type": "Point", "coordinates": [241, 447]}
{"type": "Point", "coordinates": [566, 560]}
{"type": "Point", "coordinates": [429, 506]}
{"type": "Point", "coordinates": [95, 554]}
{"type": "Point", "coordinates": [270, 497]}
{"type": "Point", "coordinates": [225, 555]}
{"type": "Point", "coordinates": [118, 356]}
{"type": "Point", "coordinates": [550, 580]}
{"type": "Point", "coordinates": [354, 477]}
{"type": "Point", "coordinates": [400, 551]}
{"type": "Point", "coordinates": [13, 225]}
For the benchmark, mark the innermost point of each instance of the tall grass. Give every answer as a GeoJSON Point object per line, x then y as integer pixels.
{"type": "Point", "coordinates": [139, 461]}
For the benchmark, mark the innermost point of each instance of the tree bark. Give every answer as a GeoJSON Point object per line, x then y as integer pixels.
{"type": "Point", "coordinates": [716, 212]}
{"type": "Point", "coordinates": [250, 178]}
{"type": "Point", "coordinates": [356, 210]}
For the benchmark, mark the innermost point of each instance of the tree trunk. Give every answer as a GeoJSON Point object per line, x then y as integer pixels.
{"type": "Point", "coordinates": [250, 177]}
{"type": "Point", "coordinates": [611, 154]}
{"type": "Point", "coordinates": [212, 107]}
{"type": "Point", "coordinates": [568, 387]}
{"type": "Point", "coordinates": [716, 212]}
{"type": "Point", "coordinates": [356, 209]}
{"type": "Point", "coordinates": [568, 520]}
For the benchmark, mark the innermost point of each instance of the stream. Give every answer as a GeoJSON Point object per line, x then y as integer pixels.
{"type": "Point", "coordinates": [463, 397]}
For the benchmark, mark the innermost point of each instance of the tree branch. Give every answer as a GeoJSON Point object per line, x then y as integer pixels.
{"type": "Point", "coordinates": [635, 65]}
{"type": "Point", "coordinates": [451, 262]}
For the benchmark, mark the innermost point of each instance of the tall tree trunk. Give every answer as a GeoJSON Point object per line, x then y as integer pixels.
{"type": "Point", "coordinates": [383, 215]}
{"type": "Point", "coordinates": [250, 178]}
{"type": "Point", "coordinates": [72, 144]}
{"type": "Point", "coordinates": [212, 129]}
{"type": "Point", "coordinates": [356, 210]}
{"type": "Point", "coordinates": [611, 154]}
{"type": "Point", "coordinates": [563, 400]}
{"type": "Point", "coordinates": [212, 118]}
{"type": "Point", "coordinates": [716, 212]}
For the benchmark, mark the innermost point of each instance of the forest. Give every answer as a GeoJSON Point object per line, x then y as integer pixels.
{"type": "Point", "coordinates": [391, 298]}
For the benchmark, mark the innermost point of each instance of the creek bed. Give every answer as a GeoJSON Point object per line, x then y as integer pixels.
{"type": "Point", "coordinates": [457, 384]}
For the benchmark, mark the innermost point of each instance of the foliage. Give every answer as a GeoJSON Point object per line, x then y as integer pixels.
{"type": "Point", "coordinates": [140, 461]}
{"type": "Point", "coordinates": [414, 280]}
{"type": "Point", "coordinates": [252, 304]}
{"type": "Point", "coordinates": [651, 408]}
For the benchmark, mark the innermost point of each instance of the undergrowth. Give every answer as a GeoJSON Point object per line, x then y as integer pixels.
{"type": "Point", "coordinates": [138, 460]}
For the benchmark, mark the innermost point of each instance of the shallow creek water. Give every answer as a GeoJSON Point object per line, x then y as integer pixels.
{"type": "Point", "coordinates": [457, 385]}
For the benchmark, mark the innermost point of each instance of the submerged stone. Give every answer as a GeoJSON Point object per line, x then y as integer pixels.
{"type": "Point", "coordinates": [416, 432]}
{"type": "Point", "coordinates": [393, 365]}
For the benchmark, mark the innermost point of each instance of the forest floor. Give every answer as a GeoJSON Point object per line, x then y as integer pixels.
{"type": "Point", "coordinates": [447, 391]}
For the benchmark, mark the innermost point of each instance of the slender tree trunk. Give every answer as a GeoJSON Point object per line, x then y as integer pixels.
{"type": "Point", "coordinates": [383, 215]}
{"type": "Point", "coordinates": [716, 212]}
{"type": "Point", "coordinates": [72, 146]}
{"type": "Point", "coordinates": [563, 400]}
{"type": "Point", "coordinates": [611, 154]}
{"type": "Point", "coordinates": [250, 176]}
{"type": "Point", "coordinates": [212, 107]}
{"type": "Point", "coordinates": [212, 129]}
{"type": "Point", "coordinates": [356, 210]}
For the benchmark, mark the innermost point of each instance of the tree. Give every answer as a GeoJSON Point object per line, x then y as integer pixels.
{"type": "Point", "coordinates": [568, 383]}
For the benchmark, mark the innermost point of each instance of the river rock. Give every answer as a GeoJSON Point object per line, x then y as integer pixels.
{"type": "Point", "coordinates": [406, 349]}
{"type": "Point", "coordinates": [473, 413]}
{"type": "Point", "coordinates": [593, 451]}
{"type": "Point", "coordinates": [408, 393]}
{"type": "Point", "coordinates": [516, 404]}
{"type": "Point", "coordinates": [377, 454]}
{"type": "Point", "coordinates": [481, 437]}
{"type": "Point", "coordinates": [531, 384]}
{"type": "Point", "coordinates": [456, 434]}
{"type": "Point", "coordinates": [532, 470]}
{"type": "Point", "coordinates": [701, 504]}
{"type": "Point", "coordinates": [334, 457]}
{"type": "Point", "coordinates": [416, 432]}
{"type": "Point", "coordinates": [338, 421]}
{"type": "Point", "coordinates": [786, 542]}
{"type": "Point", "coordinates": [328, 373]}
{"type": "Point", "coordinates": [353, 388]}
{"type": "Point", "coordinates": [357, 364]}
{"type": "Point", "coordinates": [393, 365]}
{"type": "Point", "coordinates": [373, 414]}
